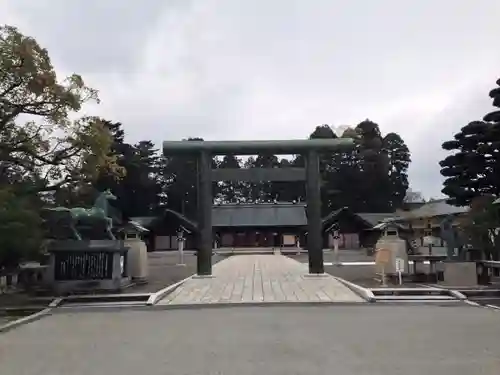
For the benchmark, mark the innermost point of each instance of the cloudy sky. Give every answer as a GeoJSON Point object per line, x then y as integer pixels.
{"type": "Point", "coordinates": [274, 69]}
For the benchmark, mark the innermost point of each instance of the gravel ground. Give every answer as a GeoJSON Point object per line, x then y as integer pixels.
{"type": "Point", "coordinates": [164, 270]}
{"type": "Point", "coordinates": [363, 275]}
{"type": "Point", "coordinates": [344, 256]}
{"type": "Point", "coordinates": [361, 340]}
{"type": "Point", "coordinates": [359, 274]}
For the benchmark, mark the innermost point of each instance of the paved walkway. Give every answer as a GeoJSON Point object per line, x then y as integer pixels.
{"type": "Point", "coordinates": [260, 278]}
{"type": "Point", "coordinates": [365, 339]}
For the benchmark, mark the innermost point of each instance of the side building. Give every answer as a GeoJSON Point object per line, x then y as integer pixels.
{"type": "Point", "coordinates": [263, 225]}
{"type": "Point", "coordinates": [426, 220]}
{"type": "Point", "coordinates": [258, 225]}
{"type": "Point", "coordinates": [234, 225]}
{"type": "Point", "coordinates": [355, 230]}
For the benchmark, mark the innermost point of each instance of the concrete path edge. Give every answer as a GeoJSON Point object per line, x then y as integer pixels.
{"type": "Point", "coordinates": [364, 293]}
{"type": "Point", "coordinates": [25, 320]}
{"type": "Point", "coordinates": [154, 298]}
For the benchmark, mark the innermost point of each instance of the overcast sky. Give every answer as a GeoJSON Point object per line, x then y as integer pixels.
{"type": "Point", "coordinates": [274, 69]}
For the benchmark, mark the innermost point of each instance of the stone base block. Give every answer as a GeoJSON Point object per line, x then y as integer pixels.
{"type": "Point", "coordinates": [460, 274]}
{"type": "Point", "coordinates": [139, 280]}
{"type": "Point", "coordinates": [87, 286]}
{"type": "Point", "coordinates": [315, 275]}
{"type": "Point", "coordinates": [203, 277]}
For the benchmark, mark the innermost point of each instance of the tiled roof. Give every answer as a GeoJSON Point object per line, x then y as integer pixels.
{"type": "Point", "coordinates": [375, 218]}
{"type": "Point", "coordinates": [368, 219]}
{"type": "Point", "coordinates": [143, 220]}
{"type": "Point", "coordinates": [389, 224]}
{"type": "Point", "coordinates": [263, 215]}
{"type": "Point", "coordinates": [241, 215]}
{"type": "Point", "coordinates": [134, 225]}
{"type": "Point", "coordinates": [149, 221]}
{"type": "Point", "coordinates": [435, 208]}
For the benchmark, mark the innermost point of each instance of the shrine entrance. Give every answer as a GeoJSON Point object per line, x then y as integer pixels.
{"type": "Point", "coordinates": [205, 150]}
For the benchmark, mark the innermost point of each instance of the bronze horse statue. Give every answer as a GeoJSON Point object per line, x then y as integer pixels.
{"type": "Point", "coordinates": [76, 216]}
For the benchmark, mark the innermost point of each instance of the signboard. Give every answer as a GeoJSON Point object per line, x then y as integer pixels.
{"type": "Point", "coordinates": [382, 256]}
{"type": "Point", "coordinates": [289, 240]}
{"type": "Point", "coordinates": [400, 265]}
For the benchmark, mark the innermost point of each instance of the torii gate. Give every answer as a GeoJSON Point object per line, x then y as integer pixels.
{"type": "Point", "coordinates": [205, 150]}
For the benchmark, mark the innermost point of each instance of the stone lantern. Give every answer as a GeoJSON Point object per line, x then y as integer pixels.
{"type": "Point", "coordinates": [391, 241]}
{"type": "Point", "coordinates": [137, 262]}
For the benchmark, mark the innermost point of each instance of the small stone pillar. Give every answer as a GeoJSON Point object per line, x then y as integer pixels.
{"type": "Point", "coordinates": [137, 262]}
{"type": "Point", "coordinates": [180, 246]}
{"type": "Point", "coordinates": [336, 238]}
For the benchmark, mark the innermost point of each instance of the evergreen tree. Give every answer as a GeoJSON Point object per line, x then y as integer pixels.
{"type": "Point", "coordinates": [473, 170]}
{"type": "Point", "coordinates": [468, 169]}
{"type": "Point", "coordinates": [399, 161]}
{"type": "Point", "coordinates": [141, 188]}
{"type": "Point", "coordinates": [288, 191]}
{"type": "Point", "coordinates": [328, 170]}
{"type": "Point", "coordinates": [229, 191]}
{"type": "Point", "coordinates": [493, 118]}
{"type": "Point", "coordinates": [180, 181]}
{"type": "Point", "coordinates": [266, 190]}
{"type": "Point", "coordinates": [20, 227]}
{"type": "Point", "coordinates": [373, 166]}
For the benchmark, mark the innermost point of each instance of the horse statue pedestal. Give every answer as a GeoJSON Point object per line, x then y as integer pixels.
{"type": "Point", "coordinates": [83, 266]}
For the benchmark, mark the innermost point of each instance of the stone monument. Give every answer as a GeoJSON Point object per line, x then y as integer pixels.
{"type": "Point", "coordinates": [454, 247]}
{"type": "Point", "coordinates": [457, 270]}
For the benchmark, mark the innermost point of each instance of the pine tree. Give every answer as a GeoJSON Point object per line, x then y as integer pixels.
{"type": "Point", "coordinates": [473, 170]}
{"type": "Point", "coordinates": [467, 170]}
{"type": "Point", "coordinates": [373, 165]}
{"type": "Point", "coordinates": [399, 161]}
{"type": "Point", "coordinates": [229, 191]}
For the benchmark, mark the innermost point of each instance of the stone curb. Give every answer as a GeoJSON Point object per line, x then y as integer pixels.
{"type": "Point", "coordinates": [25, 320]}
{"type": "Point", "coordinates": [95, 298]}
{"type": "Point", "coordinates": [56, 302]}
{"type": "Point", "coordinates": [455, 293]}
{"type": "Point", "coordinates": [201, 306]}
{"type": "Point", "coordinates": [364, 293]}
{"type": "Point", "coordinates": [154, 298]}
{"type": "Point", "coordinates": [162, 293]}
